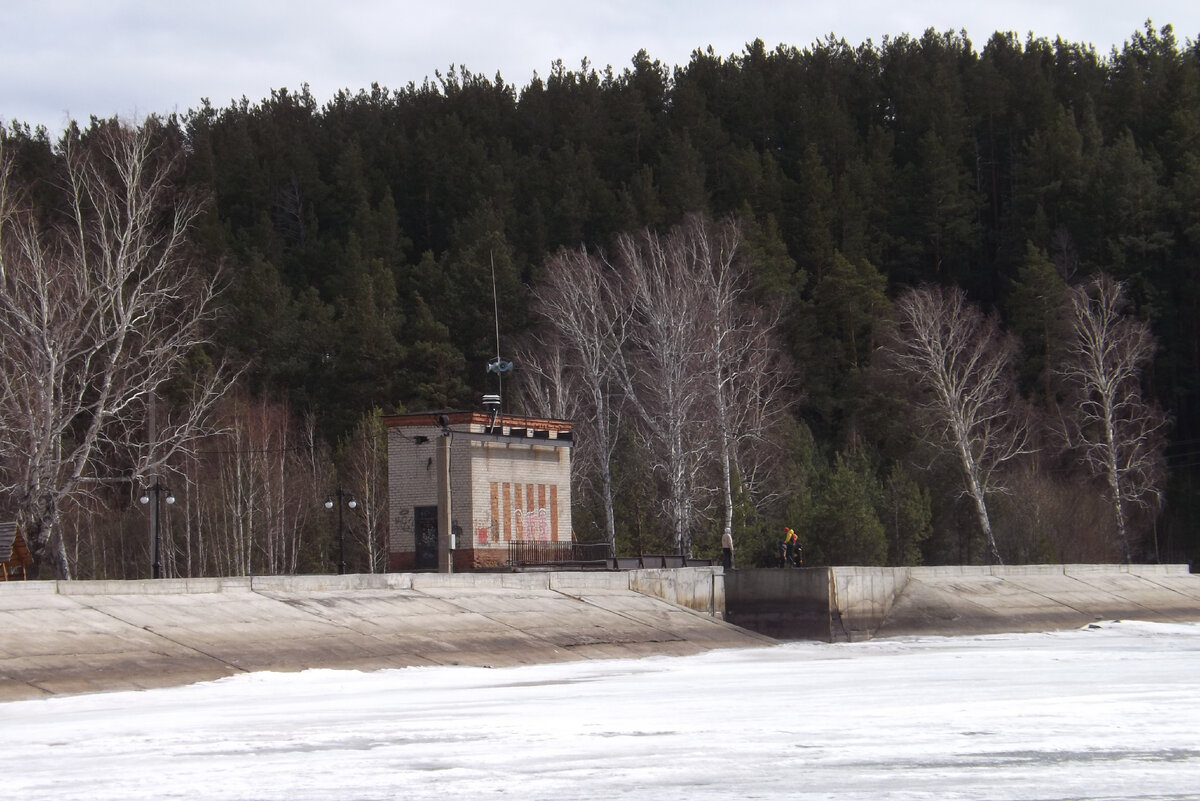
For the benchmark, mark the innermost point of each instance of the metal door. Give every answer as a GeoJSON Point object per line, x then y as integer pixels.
{"type": "Point", "coordinates": [425, 528]}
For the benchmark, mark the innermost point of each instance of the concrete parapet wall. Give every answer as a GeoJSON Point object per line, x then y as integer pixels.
{"type": "Point", "coordinates": [701, 589]}
{"type": "Point", "coordinates": [861, 599]}
{"type": "Point", "coordinates": [854, 603]}
{"type": "Point", "coordinates": [30, 587]}
{"type": "Point", "coordinates": [571, 581]}
{"type": "Point", "coordinates": [697, 588]}
{"type": "Point", "coordinates": [187, 586]}
{"type": "Point", "coordinates": [373, 581]}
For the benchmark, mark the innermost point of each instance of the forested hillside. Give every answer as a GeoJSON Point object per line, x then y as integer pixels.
{"type": "Point", "coordinates": [360, 240]}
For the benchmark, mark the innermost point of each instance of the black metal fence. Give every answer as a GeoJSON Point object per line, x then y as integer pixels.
{"type": "Point", "coordinates": [589, 556]}
{"type": "Point", "coordinates": [529, 552]}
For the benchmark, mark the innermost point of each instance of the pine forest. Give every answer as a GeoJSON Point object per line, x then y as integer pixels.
{"type": "Point", "coordinates": [925, 301]}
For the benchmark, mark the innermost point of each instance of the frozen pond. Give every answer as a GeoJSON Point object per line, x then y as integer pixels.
{"type": "Point", "coordinates": [1111, 712]}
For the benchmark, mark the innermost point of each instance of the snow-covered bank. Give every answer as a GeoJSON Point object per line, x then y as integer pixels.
{"type": "Point", "coordinates": [1099, 713]}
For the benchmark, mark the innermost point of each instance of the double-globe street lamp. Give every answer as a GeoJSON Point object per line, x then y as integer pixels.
{"type": "Point", "coordinates": [352, 503]}
{"type": "Point", "coordinates": [159, 490]}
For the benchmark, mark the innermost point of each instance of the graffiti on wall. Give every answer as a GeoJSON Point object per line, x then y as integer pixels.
{"type": "Point", "coordinates": [535, 524]}
{"type": "Point", "coordinates": [519, 512]}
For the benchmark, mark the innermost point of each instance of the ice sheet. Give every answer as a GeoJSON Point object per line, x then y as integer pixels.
{"type": "Point", "coordinates": [1109, 712]}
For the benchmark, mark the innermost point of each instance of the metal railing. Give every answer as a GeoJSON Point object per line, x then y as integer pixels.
{"type": "Point", "coordinates": [589, 555]}
{"type": "Point", "coordinates": [531, 552]}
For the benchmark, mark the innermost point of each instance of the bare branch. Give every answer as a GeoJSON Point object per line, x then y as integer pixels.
{"type": "Point", "coordinates": [587, 327]}
{"type": "Point", "coordinates": [98, 312]}
{"type": "Point", "coordinates": [1116, 434]}
{"type": "Point", "coordinates": [962, 363]}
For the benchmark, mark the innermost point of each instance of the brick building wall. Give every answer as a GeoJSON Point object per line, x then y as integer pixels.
{"type": "Point", "coordinates": [511, 482]}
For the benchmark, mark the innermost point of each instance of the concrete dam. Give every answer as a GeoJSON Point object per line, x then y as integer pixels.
{"type": "Point", "coordinates": [846, 604]}
{"type": "Point", "coordinates": [94, 636]}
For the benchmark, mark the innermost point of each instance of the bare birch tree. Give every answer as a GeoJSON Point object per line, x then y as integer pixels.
{"type": "Point", "coordinates": [589, 327]}
{"type": "Point", "coordinates": [962, 363]}
{"type": "Point", "coordinates": [663, 329]}
{"type": "Point", "coordinates": [746, 371]}
{"type": "Point", "coordinates": [238, 510]}
{"type": "Point", "coordinates": [365, 467]}
{"type": "Point", "coordinates": [1118, 435]}
{"type": "Point", "coordinates": [99, 308]}
{"type": "Point", "coordinates": [762, 389]}
{"type": "Point", "coordinates": [660, 371]}
{"type": "Point", "coordinates": [545, 386]}
{"type": "Point", "coordinates": [262, 480]}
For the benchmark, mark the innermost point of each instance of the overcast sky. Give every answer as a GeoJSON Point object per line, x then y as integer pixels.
{"type": "Point", "coordinates": [70, 59]}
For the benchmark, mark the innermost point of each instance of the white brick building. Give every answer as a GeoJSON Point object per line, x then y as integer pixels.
{"type": "Point", "coordinates": [504, 484]}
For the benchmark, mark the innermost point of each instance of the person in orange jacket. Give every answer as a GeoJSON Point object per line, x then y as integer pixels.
{"type": "Point", "coordinates": [790, 553]}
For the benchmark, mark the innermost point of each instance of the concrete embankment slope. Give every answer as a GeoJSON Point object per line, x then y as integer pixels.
{"type": "Point", "coordinates": [858, 603]}
{"type": "Point", "coordinates": [89, 636]}
{"type": "Point", "coordinates": [1018, 598]}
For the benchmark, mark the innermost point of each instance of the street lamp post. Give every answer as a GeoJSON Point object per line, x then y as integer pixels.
{"type": "Point", "coordinates": [352, 503]}
{"type": "Point", "coordinates": [159, 490]}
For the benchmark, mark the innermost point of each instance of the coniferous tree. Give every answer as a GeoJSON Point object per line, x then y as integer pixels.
{"type": "Point", "coordinates": [842, 526]}
{"type": "Point", "coordinates": [358, 236]}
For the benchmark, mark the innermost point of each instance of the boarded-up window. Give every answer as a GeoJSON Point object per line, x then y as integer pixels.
{"type": "Point", "coordinates": [524, 512]}
{"type": "Point", "coordinates": [508, 533]}
{"type": "Point", "coordinates": [494, 523]}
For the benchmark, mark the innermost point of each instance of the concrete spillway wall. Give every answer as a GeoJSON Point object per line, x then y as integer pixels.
{"type": "Point", "coordinates": [856, 603]}
{"type": "Point", "coordinates": [87, 636]}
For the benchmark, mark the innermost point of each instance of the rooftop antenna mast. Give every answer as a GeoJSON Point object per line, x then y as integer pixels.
{"type": "Point", "coordinates": [498, 366]}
